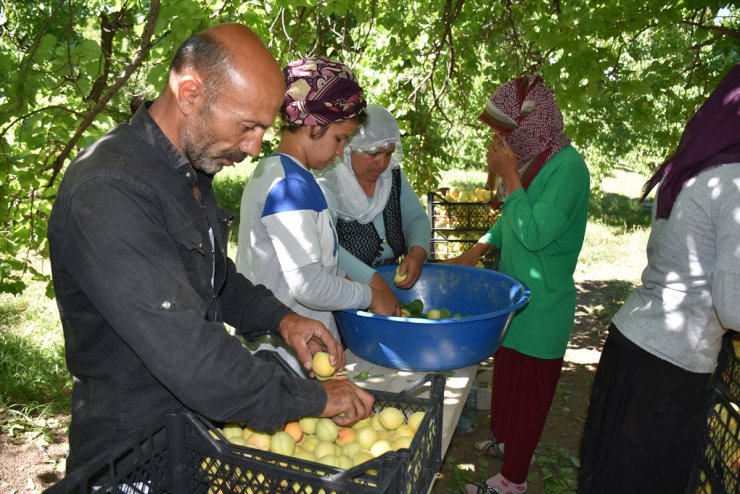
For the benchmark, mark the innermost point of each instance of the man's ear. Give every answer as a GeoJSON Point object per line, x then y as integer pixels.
{"type": "Point", "coordinates": [189, 93]}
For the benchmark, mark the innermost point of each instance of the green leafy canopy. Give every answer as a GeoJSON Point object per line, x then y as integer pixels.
{"type": "Point", "coordinates": [626, 73]}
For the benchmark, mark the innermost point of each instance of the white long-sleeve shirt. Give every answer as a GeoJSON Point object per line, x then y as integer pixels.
{"type": "Point", "coordinates": [690, 290]}
{"type": "Point", "coordinates": [288, 243]}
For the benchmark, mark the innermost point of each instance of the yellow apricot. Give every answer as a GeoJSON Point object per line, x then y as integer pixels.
{"type": "Point", "coordinates": [391, 418]}
{"type": "Point", "coordinates": [321, 365]}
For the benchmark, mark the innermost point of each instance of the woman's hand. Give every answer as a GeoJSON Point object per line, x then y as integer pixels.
{"type": "Point", "coordinates": [411, 266]}
{"type": "Point", "coordinates": [470, 257]}
{"type": "Point", "coordinates": [502, 161]}
{"type": "Point", "coordinates": [384, 301]}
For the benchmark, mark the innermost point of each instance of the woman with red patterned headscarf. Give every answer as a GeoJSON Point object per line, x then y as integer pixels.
{"type": "Point", "coordinates": [543, 190]}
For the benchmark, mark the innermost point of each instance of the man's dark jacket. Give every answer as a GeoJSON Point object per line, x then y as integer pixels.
{"type": "Point", "coordinates": [142, 297]}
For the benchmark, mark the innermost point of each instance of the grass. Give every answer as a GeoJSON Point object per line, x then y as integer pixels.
{"type": "Point", "coordinates": [36, 385]}
{"type": "Point", "coordinates": [617, 231]}
{"type": "Point", "coordinates": [229, 185]}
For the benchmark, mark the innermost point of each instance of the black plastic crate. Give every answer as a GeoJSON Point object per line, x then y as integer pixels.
{"type": "Point", "coordinates": [443, 247]}
{"type": "Point", "coordinates": [717, 467]}
{"type": "Point", "coordinates": [706, 482]}
{"type": "Point", "coordinates": [445, 215]}
{"type": "Point", "coordinates": [728, 364]}
{"type": "Point", "coordinates": [457, 226]}
{"type": "Point", "coordinates": [184, 453]}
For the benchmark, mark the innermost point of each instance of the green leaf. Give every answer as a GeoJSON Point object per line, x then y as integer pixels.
{"type": "Point", "coordinates": [648, 66]}
{"type": "Point", "coordinates": [157, 76]}
{"type": "Point", "coordinates": [362, 376]}
{"type": "Point", "coordinates": [365, 375]}
{"type": "Point", "coordinates": [415, 307]}
{"type": "Point", "coordinates": [46, 45]}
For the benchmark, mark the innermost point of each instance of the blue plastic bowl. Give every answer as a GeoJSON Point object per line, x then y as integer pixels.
{"type": "Point", "coordinates": [487, 298]}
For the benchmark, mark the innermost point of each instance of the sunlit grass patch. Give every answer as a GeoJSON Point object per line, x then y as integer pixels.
{"type": "Point", "coordinates": [614, 251]}
{"type": "Point", "coordinates": [32, 365]}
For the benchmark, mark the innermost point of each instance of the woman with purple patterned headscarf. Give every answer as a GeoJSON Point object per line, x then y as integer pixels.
{"type": "Point", "coordinates": [649, 401]}
{"type": "Point", "coordinates": [287, 239]}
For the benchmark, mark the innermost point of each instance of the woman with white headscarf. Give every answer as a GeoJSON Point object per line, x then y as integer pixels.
{"type": "Point", "coordinates": [378, 216]}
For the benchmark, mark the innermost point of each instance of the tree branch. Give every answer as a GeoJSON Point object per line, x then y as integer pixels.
{"type": "Point", "coordinates": [108, 30]}
{"type": "Point", "coordinates": [732, 33]}
{"type": "Point", "coordinates": [142, 52]}
{"type": "Point", "coordinates": [450, 16]}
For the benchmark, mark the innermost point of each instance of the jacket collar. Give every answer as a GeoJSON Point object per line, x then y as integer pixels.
{"type": "Point", "coordinates": [155, 137]}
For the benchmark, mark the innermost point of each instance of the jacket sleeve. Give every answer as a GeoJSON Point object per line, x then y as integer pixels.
{"type": "Point", "coordinates": [416, 225]}
{"type": "Point", "coordinates": [248, 307]}
{"type": "Point", "coordinates": [355, 269]}
{"type": "Point", "coordinates": [117, 250]}
{"type": "Point", "coordinates": [538, 224]}
{"type": "Point", "coordinates": [493, 235]}
{"type": "Point", "coordinates": [296, 235]}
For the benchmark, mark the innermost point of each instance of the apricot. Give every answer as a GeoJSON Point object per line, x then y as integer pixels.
{"type": "Point", "coordinates": [322, 366]}
{"type": "Point", "coordinates": [293, 428]}
{"type": "Point", "coordinates": [282, 443]}
{"type": "Point", "coordinates": [404, 430]}
{"type": "Point", "coordinates": [350, 449]}
{"type": "Point", "coordinates": [308, 424]}
{"type": "Point", "coordinates": [366, 437]}
{"type": "Point", "coordinates": [232, 430]}
{"type": "Point", "coordinates": [391, 418]}
{"type": "Point", "coordinates": [400, 443]}
{"type": "Point", "coordinates": [361, 457]}
{"type": "Point", "coordinates": [363, 423]}
{"type": "Point", "coordinates": [259, 440]}
{"type": "Point", "coordinates": [345, 435]}
{"type": "Point", "coordinates": [309, 442]}
{"type": "Point", "coordinates": [380, 447]}
{"type": "Point", "coordinates": [415, 420]}
{"type": "Point", "coordinates": [326, 429]}
{"type": "Point", "coordinates": [399, 278]}
{"type": "Point", "coordinates": [325, 448]}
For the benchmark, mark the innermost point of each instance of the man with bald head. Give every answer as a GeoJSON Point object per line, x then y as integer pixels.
{"type": "Point", "coordinates": [139, 265]}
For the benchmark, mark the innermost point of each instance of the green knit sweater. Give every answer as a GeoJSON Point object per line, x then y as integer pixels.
{"type": "Point", "coordinates": [540, 233]}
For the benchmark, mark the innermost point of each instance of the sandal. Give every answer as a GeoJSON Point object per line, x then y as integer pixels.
{"type": "Point", "coordinates": [490, 447]}
{"type": "Point", "coordinates": [480, 488]}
